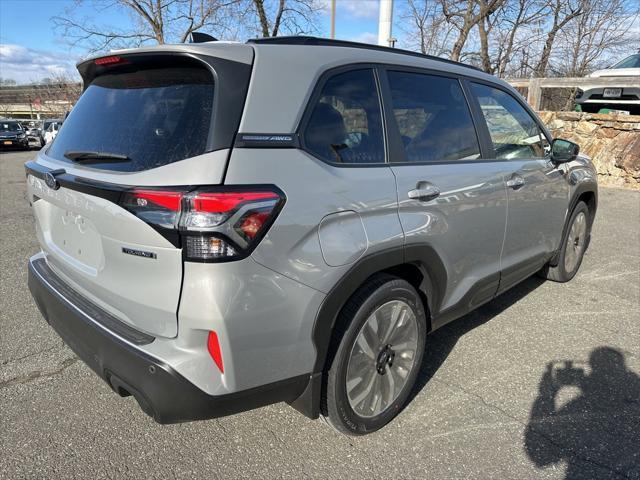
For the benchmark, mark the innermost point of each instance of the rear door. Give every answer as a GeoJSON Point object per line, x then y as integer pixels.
{"type": "Point", "coordinates": [142, 124]}
{"type": "Point", "coordinates": [452, 203]}
{"type": "Point", "coordinates": [536, 188]}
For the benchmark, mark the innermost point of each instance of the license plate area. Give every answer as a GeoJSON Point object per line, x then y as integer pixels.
{"type": "Point", "coordinates": [612, 93]}
{"type": "Point", "coordinates": [7, 142]}
{"type": "Point", "coordinates": [76, 236]}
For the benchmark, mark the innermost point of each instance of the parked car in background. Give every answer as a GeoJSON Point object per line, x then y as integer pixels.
{"type": "Point", "coordinates": [36, 138]}
{"type": "Point", "coordinates": [226, 249]}
{"type": "Point", "coordinates": [35, 133]}
{"type": "Point", "coordinates": [12, 135]}
{"type": "Point", "coordinates": [51, 131]}
{"type": "Point", "coordinates": [592, 99]}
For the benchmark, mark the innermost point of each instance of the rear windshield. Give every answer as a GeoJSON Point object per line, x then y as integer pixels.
{"type": "Point", "coordinates": [153, 117]}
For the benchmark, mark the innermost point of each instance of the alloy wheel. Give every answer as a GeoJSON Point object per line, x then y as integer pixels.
{"type": "Point", "coordinates": [575, 242]}
{"type": "Point", "coordinates": [382, 358]}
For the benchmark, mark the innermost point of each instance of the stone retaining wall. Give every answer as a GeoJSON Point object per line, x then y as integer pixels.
{"type": "Point", "coordinates": [612, 141]}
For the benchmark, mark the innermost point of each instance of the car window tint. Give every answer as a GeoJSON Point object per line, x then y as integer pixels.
{"type": "Point", "coordinates": [514, 132]}
{"type": "Point", "coordinates": [10, 127]}
{"type": "Point", "coordinates": [345, 125]}
{"type": "Point", "coordinates": [154, 116]}
{"type": "Point", "coordinates": [433, 118]}
{"type": "Point", "coordinates": [632, 61]}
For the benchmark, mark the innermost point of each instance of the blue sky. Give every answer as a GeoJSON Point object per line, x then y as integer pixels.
{"type": "Point", "coordinates": [30, 47]}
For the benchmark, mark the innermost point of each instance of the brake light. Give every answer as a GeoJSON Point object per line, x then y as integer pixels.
{"type": "Point", "coordinates": [110, 60]}
{"type": "Point", "coordinates": [214, 225]}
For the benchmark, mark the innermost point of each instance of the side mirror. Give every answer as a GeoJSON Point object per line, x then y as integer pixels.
{"type": "Point", "coordinates": [564, 150]}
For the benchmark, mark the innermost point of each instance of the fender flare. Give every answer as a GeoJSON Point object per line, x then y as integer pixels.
{"type": "Point", "coordinates": [434, 280]}
{"type": "Point", "coordinates": [582, 188]}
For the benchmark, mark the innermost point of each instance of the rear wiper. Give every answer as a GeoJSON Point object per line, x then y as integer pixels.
{"type": "Point", "coordinates": [81, 156]}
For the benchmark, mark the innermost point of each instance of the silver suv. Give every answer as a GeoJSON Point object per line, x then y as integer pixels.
{"type": "Point", "coordinates": [225, 226]}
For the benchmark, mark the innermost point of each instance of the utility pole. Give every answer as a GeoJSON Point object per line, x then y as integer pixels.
{"type": "Point", "coordinates": [333, 19]}
{"type": "Point", "coordinates": [384, 25]}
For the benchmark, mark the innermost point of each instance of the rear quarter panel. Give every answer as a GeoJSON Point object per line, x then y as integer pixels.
{"type": "Point", "coordinates": [314, 190]}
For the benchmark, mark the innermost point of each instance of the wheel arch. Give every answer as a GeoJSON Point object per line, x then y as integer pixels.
{"type": "Point", "coordinates": [586, 192]}
{"type": "Point", "coordinates": [421, 266]}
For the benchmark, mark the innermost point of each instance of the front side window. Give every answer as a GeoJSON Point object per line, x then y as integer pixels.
{"type": "Point", "coordinates": [514, 132]}
{"type": "Point", "coordinates": [433, 118]}
{"type": "Point", "coordinates": [345, 125]}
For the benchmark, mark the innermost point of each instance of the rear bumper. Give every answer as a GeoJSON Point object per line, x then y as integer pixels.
{"type": "Point", "coordinates": [160, 391]}
{"type": "Point", "coordinates": [14, 143]}
{"type": "Point", "coordinates": [595, 95]}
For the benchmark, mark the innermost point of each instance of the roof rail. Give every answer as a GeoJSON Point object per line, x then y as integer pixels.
{"type": "Point", "coordinates": [327, 42]}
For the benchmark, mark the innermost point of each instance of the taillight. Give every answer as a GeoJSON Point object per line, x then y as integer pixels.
{"type": "Point", "coordinates": [210, 209]}
{"type": "Point", "coordinates": [157, 207]}
{"type": "Point", "coordinates": [214, 225]}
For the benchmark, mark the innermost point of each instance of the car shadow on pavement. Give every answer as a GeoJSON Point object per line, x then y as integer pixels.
{"type": "Point", "coordinates": [441, 342]}
{"type": "Point", "coordinates": [596, 431]}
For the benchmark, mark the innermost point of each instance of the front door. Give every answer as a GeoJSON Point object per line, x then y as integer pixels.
{"type": "Point", "coordinates": [536, 188]}
{"type": "Point", "coordinates": [452, 203]}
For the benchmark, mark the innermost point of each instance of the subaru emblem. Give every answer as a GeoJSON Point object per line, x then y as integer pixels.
{"type": "Point", "coordinates": [51, 181]}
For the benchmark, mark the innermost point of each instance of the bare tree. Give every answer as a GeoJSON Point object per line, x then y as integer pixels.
{"type": "Point", "coordinates": [274, 17]}
{"type": "Point", "coordinates": [603, 30]}
{"type": "Point", "coordinates": [562, 12]}
{"type": "Point", "coordinates": [485, 27]}
{"type": "Point", "coordinates": [422, 21]}
{"type": "Point", "coordinates": [510, 20]}
{"type": "Point", "coordinates": [498, 34]}
{"type": "Point", "coordinates": [172, 21]}
{"type": "Point", "coordinates": [154, 21]}
{"type": "Point", "coordinates": [465, 15]}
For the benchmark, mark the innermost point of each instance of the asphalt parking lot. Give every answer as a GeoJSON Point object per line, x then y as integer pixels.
{"type": "Point", "coordinates": [486, 407]}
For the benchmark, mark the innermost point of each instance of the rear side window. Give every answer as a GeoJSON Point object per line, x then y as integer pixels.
{"type": "Point", "coordinates": [153, 116]}
{"type": "Point", "coordinates": [345, 125]}
{"type": "Point", "coordinates": [514, 132]}
{"type": "Point", "coordinates": [433, 118]}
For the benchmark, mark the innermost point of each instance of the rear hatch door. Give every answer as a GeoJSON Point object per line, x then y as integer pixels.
{"type": "Point", "coordinates": [142, 122]}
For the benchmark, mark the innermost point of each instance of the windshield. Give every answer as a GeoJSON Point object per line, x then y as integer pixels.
{"type": "Point", "coordinates": [632, 61]}
{"type": "Point", "coordinates": [10, 127]}
{"type": "Point", "coordinates": [152, 117]}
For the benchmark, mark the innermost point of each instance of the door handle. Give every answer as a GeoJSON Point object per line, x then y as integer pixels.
{"type": "Point", "coordinates": [515, 182]}
{"type": "Point", "coordinates": [424, 192]}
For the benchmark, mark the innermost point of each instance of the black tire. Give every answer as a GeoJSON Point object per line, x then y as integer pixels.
{"type": "Point", "coordinates": [376, 292]}
{"type": "Point", "coordinates": [559, 272]}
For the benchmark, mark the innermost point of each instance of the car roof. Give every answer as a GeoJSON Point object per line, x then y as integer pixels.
{"type": "Point", "coordinates": [326, 42]}
{"type": "Point", "coordinates": [243, 52]}
{"type": "Point", "coordinates": [285, 70]}
{"type": "Point", "coordinates": [285, 73]}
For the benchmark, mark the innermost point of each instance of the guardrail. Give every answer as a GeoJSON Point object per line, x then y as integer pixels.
{"type": "Point", "coordinates": [535, 85]}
